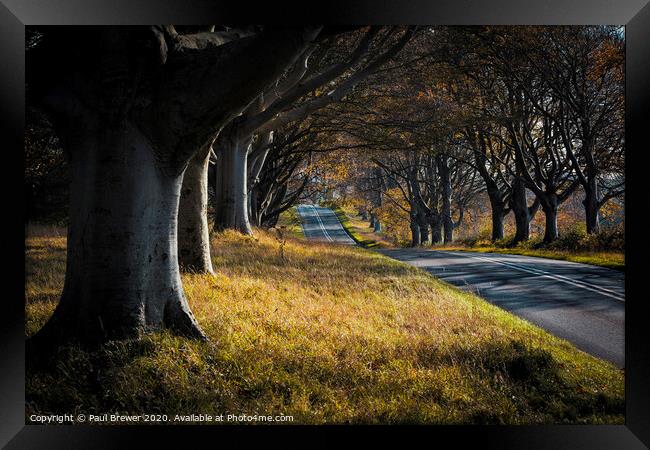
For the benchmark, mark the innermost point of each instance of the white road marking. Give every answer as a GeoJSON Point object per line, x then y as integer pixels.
{"type": "Point", "coordinates": [322, 225]}
{"type": "Point", "coordinates": [563, 279]}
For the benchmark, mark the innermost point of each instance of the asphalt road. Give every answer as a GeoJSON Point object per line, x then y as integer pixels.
{"type": "Point", "coordinates": [580, 303]}
{"type": "Point", "coordinates": [321, 224]}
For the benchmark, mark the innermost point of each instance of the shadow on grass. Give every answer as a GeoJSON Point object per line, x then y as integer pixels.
{"type": "Point", "coordinates": [129, 376]}
{"type": "Point", "coordinates": [535, 381]}
{"type": "Point", "coordinates": [355, 381]}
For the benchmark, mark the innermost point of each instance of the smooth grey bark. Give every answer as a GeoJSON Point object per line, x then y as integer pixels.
{"type": "Point", "coordinates": [258, 156]}
{"type": "Point", "coordinates": [128, 151]}
{"type": "Point", "coordinates": [415, 232]}
{"type": "Point", "coordinates": [436, 229]}
{"type": "Point", "coordinates": [550, 206]}
{"type": "Point", "coordinates": [122, 274]}
{"type": "Point", "coordinates": [255, 162]}
{"type": "Point", "coordinates": [261, 118]}
{"type": "Point", "coordinates": [484, 157]}
{"type": "Point", "coordinates": [586, 176]}
{"type": "Point", "coordinates": [498, 215]}
{"type": "Point", "coordinates": [273, 111]}
{"type": "Point", "coordinates": [255, 212]}
{"type": "Point", "coordinates": [376, 223]}
{"type": "Point", "coordinates": [498, 209]}
{"type": "Point", "coordinates": [423, 225]}
{"type": "Point", "coordinates": [523, 213]}
{"type": "Point", "coordinates": [445, 210]}
{"type": "Point", "coordinates": [592, 206]}
{"type": "Point", "coordinates": [193, 229]}
{"type": "Point", "coordinates": [519, 206]}
{"type": "Point", "coordinates": [231, 189]}
{"type": "Point", "coordinates": [424, 233]}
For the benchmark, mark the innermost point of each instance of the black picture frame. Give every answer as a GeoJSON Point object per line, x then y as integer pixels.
{"type": "Point", "coordinates": [634, 14]}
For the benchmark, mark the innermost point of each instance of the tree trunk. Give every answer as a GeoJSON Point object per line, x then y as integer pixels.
{"type": "Point", "coordinates": [522, 223]}
{"type": "Point", "coordinates": [436, 230]}
{"type": "Point", "coordinates": [592, 206]}
{"type": "Point", "coordinates": [376, 226]}
{"type": "Point", "coordinates": [445, 211]}
{"type": "Point", "coordinates": [519, 206]}
{"type": "Point", "coordinates": [193, 230]}
{"type": "Point", "coordinates": [128, 150]}
{"type": "Point", "coordinates": [231, 195]}
{"type": "Point", "coordinates": [497, 224]}
{"type": "Point", "coordinates": [498, 213]}
{"type": "Point", "coordinates": [122, 274]}
{"type": "Point", "coordinates": [550, 211]}
{"type": "Point", "coordinates": [448, 228]}
{"type": "Point", "coordinates": [415, 233]}
{"type": "Point", "coordinates": [255, 216]}
{"type": "Point", "coordinates": [424, 233]}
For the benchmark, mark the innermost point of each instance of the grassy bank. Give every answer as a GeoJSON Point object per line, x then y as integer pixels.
{"type": "Point", "coordinates": [609, 259]}
{"type": "Point", "coordinates": [327, 334]}
{"type": "Point", "coordinates": [289, 224]}
{"type": "Point", "coordinates": [359, 230]}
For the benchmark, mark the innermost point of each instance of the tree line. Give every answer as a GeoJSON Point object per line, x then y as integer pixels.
{"type": "Point", "coordinates": [140, 113]}
{"type": "Point", "coordinates": [161, 124]}
{"type": "Point", "coordinates": [527, 116]}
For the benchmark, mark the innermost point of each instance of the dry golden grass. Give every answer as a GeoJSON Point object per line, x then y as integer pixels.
{"type": "Point", "coordinates": [289, 224]}
{"type": "Point", "coordinates": [328, 334]}
{"type": "Point", "coordinates": [360, 230]}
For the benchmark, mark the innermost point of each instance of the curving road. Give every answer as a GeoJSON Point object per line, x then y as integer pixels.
{"type": "Point", "coordinates": [580, 303]}
{"type": "Point", "coordinates": [321, 224]}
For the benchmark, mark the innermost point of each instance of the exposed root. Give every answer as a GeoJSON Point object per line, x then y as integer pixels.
{"type": "Point", "coordinates": [180, 319]}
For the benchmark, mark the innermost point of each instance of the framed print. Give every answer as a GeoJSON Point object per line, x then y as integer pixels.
{"type": "Point", "coordinates": [251, 220]}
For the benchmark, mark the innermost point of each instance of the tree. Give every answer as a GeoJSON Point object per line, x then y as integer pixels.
{"type": "Point", "coordinates": [540, 160]}
{"type": "Point", "coordinates": [278, 107]}
{"type": "Point", "coordinates": [132, 106]}
{"type": "Point", "coordinates": [193, 229]}
{"type": "Point", "coordinates": [583, 67]}
{"type": "Point", "coordinates": [285, 175]}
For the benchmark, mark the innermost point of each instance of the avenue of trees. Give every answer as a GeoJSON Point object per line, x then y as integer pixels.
{"type": "Point", "coordinates": [172, 132]}
{"type": "Point", "coordinates": [525, 116]}
{"type": "Point", "coordinates": [139, 112]}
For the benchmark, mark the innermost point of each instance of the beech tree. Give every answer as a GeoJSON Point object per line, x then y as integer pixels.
{"type": "Point", "coordinates": [583, 67]}
{"type": "Point", "coordinates": [284, 177]}
{"type": "Point", "coordinates": [132, 106]}
{"type": "Point", "coordinates": [193, 228]}
{"type": "Point", "coordinates": [279, 106]}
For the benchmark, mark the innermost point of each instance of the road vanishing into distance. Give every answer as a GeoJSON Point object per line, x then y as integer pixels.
{"type": "Point", "coordinates": [321, 224]}
{"type": "Point", "coordinates": [581, 303]}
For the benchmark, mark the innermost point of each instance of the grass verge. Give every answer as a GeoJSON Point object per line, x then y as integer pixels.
{"type": "Point", "coordinates": [611, 260]}
{"type": "Point", "coordinates": [289, 223]}
{"type": "Point", "coordinates": [358, 230]}
{"type": "Point", "coordinates": [326, 334]}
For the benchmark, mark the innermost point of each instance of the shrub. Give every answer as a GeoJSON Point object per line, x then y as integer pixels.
{"type": "Point", "coordinates": [571, 239]}
{"type": "Point", "coordinates": [607, 239]}
{"type": "Point", "coordinates": [577, 239]}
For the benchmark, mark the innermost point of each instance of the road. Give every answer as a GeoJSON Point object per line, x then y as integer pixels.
{"type": "Point", "coordinates": [580, 303]}
{"type": "Point", "coordinates": [321, 224]}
